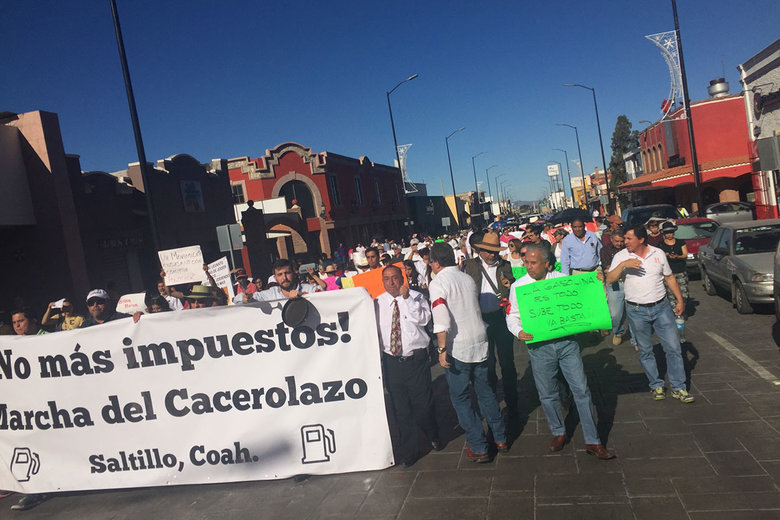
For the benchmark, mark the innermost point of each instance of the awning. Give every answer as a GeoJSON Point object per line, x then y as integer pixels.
{"type": "Point", "coordinates": [710, 170]}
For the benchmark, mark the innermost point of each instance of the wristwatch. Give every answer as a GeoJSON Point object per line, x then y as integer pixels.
{"type": "Point", "coordinates": [441, 350]}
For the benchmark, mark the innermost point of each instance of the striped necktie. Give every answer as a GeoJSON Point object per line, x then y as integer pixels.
{"type": "Point", "coordinates": [395, 331]}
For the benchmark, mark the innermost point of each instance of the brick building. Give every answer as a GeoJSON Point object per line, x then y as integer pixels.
{"type": "Point", "coordinates": [338, 198]}
{"type": "Point", "coordinates": [722, 147]}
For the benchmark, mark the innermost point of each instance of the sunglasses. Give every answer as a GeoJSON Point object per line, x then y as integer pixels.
{"type": "Point", "coordinates": [92, 303]}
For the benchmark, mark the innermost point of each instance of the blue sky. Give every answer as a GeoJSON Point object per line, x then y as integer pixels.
{"type": "Point", "coordinates": [233, 78]}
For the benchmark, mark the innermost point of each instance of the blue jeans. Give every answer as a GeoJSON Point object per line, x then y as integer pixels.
{"type": "Point", "coordinates": [546, 357]}
{"type": "Point", "coordinates": [643, 320]}
{"type": "Point", "coordinates": [458, 376]}
{"type": "Point", "coordinates": [616, 300]}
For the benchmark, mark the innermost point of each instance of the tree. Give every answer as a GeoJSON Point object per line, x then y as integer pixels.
{"type": "Point", "coordinates": [623, 141]}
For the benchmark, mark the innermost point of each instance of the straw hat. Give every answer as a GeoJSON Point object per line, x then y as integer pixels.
{"type": "Point", "coordinates": [490, 242]}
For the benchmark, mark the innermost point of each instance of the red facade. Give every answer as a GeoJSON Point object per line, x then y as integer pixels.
{"type": "Point", "coordinates": [722, 148]}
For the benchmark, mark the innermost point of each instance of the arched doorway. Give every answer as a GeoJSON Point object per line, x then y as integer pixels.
{"type": "Point", "coordinates": [298, 190]}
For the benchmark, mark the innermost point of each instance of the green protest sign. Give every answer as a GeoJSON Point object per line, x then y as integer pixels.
{"type": "Point", "coordinates": [519, 272]}
{"type": "Point", "coordinates": [559, 307]}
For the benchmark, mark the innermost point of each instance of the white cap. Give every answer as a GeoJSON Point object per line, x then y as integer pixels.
{"type": "Point", "coordinates": [414, 242]}
{"type": "Point", "coordinates": [97, 293]}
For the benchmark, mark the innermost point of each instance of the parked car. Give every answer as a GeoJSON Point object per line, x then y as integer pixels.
{"type": "Point", "coordinates": [641, 214]}
{"type": "Point", "coordinates": [739, 258]}
{"type": "Point", "coordinates": [722, 212]}
{"type": "Point", "coordinates": [695, 232]}
{"type": "Point", "coordinates": [776, 283]}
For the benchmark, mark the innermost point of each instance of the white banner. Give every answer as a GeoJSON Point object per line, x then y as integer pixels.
{"type": "Point", "coordinates": [220, 271]}
{"type": "Point", "coordinates": [202, 395]}
{"type": "Point", "coordinates": [182, 265]}
{"type": "Point", "coordinates": [552, 170]}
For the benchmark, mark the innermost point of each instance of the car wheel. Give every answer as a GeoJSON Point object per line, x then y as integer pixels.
{"type": "Point", "coordinates": [709, 287]}
{"type": "Point", "coordinates": [740, 299]}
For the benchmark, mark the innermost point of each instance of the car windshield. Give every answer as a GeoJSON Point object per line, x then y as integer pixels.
{"type": "Point", "coordinates": [756, 239]}
{"type": "Point", "coordinates": [642, 215]}
{"type": "Point", "coordinates": [697, 230]}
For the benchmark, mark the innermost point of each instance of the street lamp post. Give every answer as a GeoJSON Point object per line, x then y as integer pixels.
{"type": "Point", "coordinates": [568, 173]}
{"type": "Point", "coordinates": [689, 120]}
{"type": "Point", "coordinates": [490, 192]}
{"type": "Point", "coordinates": [392, 125]}
{"type": "Point", "coordinates": [476, 186]}
{"type": "Point", "coordinates": [601, 142]}
{"type": "Point", "coordinates": [449, 160]}
{"type": "Point", "coordinates": [502, 189]}
{"type": "Point", "coordinates": [582, 173]}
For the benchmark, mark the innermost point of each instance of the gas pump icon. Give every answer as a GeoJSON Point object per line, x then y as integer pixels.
{"type": "Point", "coordinates": [24, 463]}
{"type": "Point", "coordinates": [318, 443]}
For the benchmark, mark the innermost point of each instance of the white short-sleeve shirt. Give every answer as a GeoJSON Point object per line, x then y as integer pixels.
{"type": "Point", "coordinates": [645, 284]}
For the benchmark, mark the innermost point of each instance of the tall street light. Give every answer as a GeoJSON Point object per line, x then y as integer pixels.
{"type": "Point", "coordinates": [568, 173]}
{"type": "Point", "coordinates": [139, 143]}
{"type": "Point", "coordinates": [392, 125]}
{"type": "Point", "coordinates": [601, 142]}
{"type": "Point", "coordinates": [476, 186]}
{"type": "Point", "coordinates": [495, 182]}
{"type": "Point", "coordinates": [474, 169]}
{"type": "Point", "coordinates": [582, 173]}
{"type": "Point", "coordinates": [504, 183]}
{"type": "Point", "coordinates": [449, 160]}
{"type": "Point", "coordinates": [687, 105]}
{"type": "Point", "coordinates": [490, 192]}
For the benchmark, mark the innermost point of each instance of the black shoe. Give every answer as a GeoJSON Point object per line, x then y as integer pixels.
{"type": "Point", "coordinates": [29, 501]}
{"type": "Point", "coordinates": [436, 445]}
{"type": "Point", "coordinates": [408, 463]}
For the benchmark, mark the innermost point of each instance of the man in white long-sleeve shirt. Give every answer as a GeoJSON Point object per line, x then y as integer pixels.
{"type": "Point", "coordinates": [401, 316]}
{"type": "Point", "coordinates": [548, 356]}
{"type": "Point", "coordinates": [463, 351]}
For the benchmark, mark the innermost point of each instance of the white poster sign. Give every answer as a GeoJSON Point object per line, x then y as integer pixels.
{"type": "Point", "coordinates": [182, 265]}
{"type": "Point", "coordinates": [202, 395]}
{"type": "Point", "coordinates": [552, 170]}
{"type": "Point", "coordinates": [220, 271]}
{"type": "Point", "coordinates": [131, 303]}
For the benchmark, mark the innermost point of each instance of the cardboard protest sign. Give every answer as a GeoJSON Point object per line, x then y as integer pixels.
{"type": "Point", "coordinates": [182, 265]}
{"type": "Point", "coordinates": [562, 306]}
{"type": "Point", "coordinates": [220, 271]}
{"type": "Point", "coordinates": [220, 394]}
{"type": "Point", "coordinates": [131, 303]}
{"type": "Point", "coordinates": [519, 272]}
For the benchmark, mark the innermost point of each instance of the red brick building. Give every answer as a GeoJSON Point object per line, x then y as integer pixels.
{"type": "Point", "coordinates": [722, 147]}
{"type": "Point", "coordinates": [339, 199]}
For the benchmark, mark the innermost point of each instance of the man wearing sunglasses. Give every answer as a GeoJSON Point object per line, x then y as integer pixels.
{"type": "Point", "coordinates": [101, 308]}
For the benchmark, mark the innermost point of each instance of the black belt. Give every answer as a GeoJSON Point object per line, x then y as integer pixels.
{"type": "Point", "coordinates": [647, 304]}
{"type": "Point", "coordinates": [416, 354]}
{"type": "Point", "coordinates": [582, 269]}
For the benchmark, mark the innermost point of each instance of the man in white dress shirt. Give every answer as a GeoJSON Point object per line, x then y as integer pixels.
{"type": "Point", "coordinates": [548, 356]}
{"type": "Point", "coordinates": [463, 352]}
{"type": "Point", "coordinates": [401, 317]}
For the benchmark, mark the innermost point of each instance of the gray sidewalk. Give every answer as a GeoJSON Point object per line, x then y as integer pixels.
{"type": "Point", "coordinates": [718, 458]}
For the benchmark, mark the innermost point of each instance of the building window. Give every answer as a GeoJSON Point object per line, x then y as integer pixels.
{"type": "Point", "coordinates": [238, 193]}
{"type": "Point", "coordinates": [358, 191]}
{"type": "Point", "coordinates": [333, 188]}
{"type": "Point", "coordinates": [378, 192]}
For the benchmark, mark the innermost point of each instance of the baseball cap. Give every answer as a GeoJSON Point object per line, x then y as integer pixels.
{"type": "Point", "coordinates": [97, 293]}
{"type": "Point", "coordinates": [414, 242]}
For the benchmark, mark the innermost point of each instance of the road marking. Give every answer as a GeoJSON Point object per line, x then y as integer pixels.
{"type": "Point", "coordinates": [753, 365]}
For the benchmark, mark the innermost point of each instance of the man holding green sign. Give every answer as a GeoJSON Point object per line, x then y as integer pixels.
{"type": "Point", "coordinates": [551, 297]}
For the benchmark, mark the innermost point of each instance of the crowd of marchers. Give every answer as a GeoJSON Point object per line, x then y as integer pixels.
{"type": "Point", "coordinates": [449, 299]}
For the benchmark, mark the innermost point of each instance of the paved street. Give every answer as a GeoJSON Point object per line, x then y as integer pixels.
{"type": "Point", "coordinates": [718, 458]}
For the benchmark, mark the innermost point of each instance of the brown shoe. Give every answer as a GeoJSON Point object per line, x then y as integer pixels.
{"type": "Point", "coordinates": [599, 451]}
{"type": "Point", "coordinates": [558, 442]}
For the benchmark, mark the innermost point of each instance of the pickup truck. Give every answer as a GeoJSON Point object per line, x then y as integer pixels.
{"type": "Point", "coordinates": [739, 258]}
